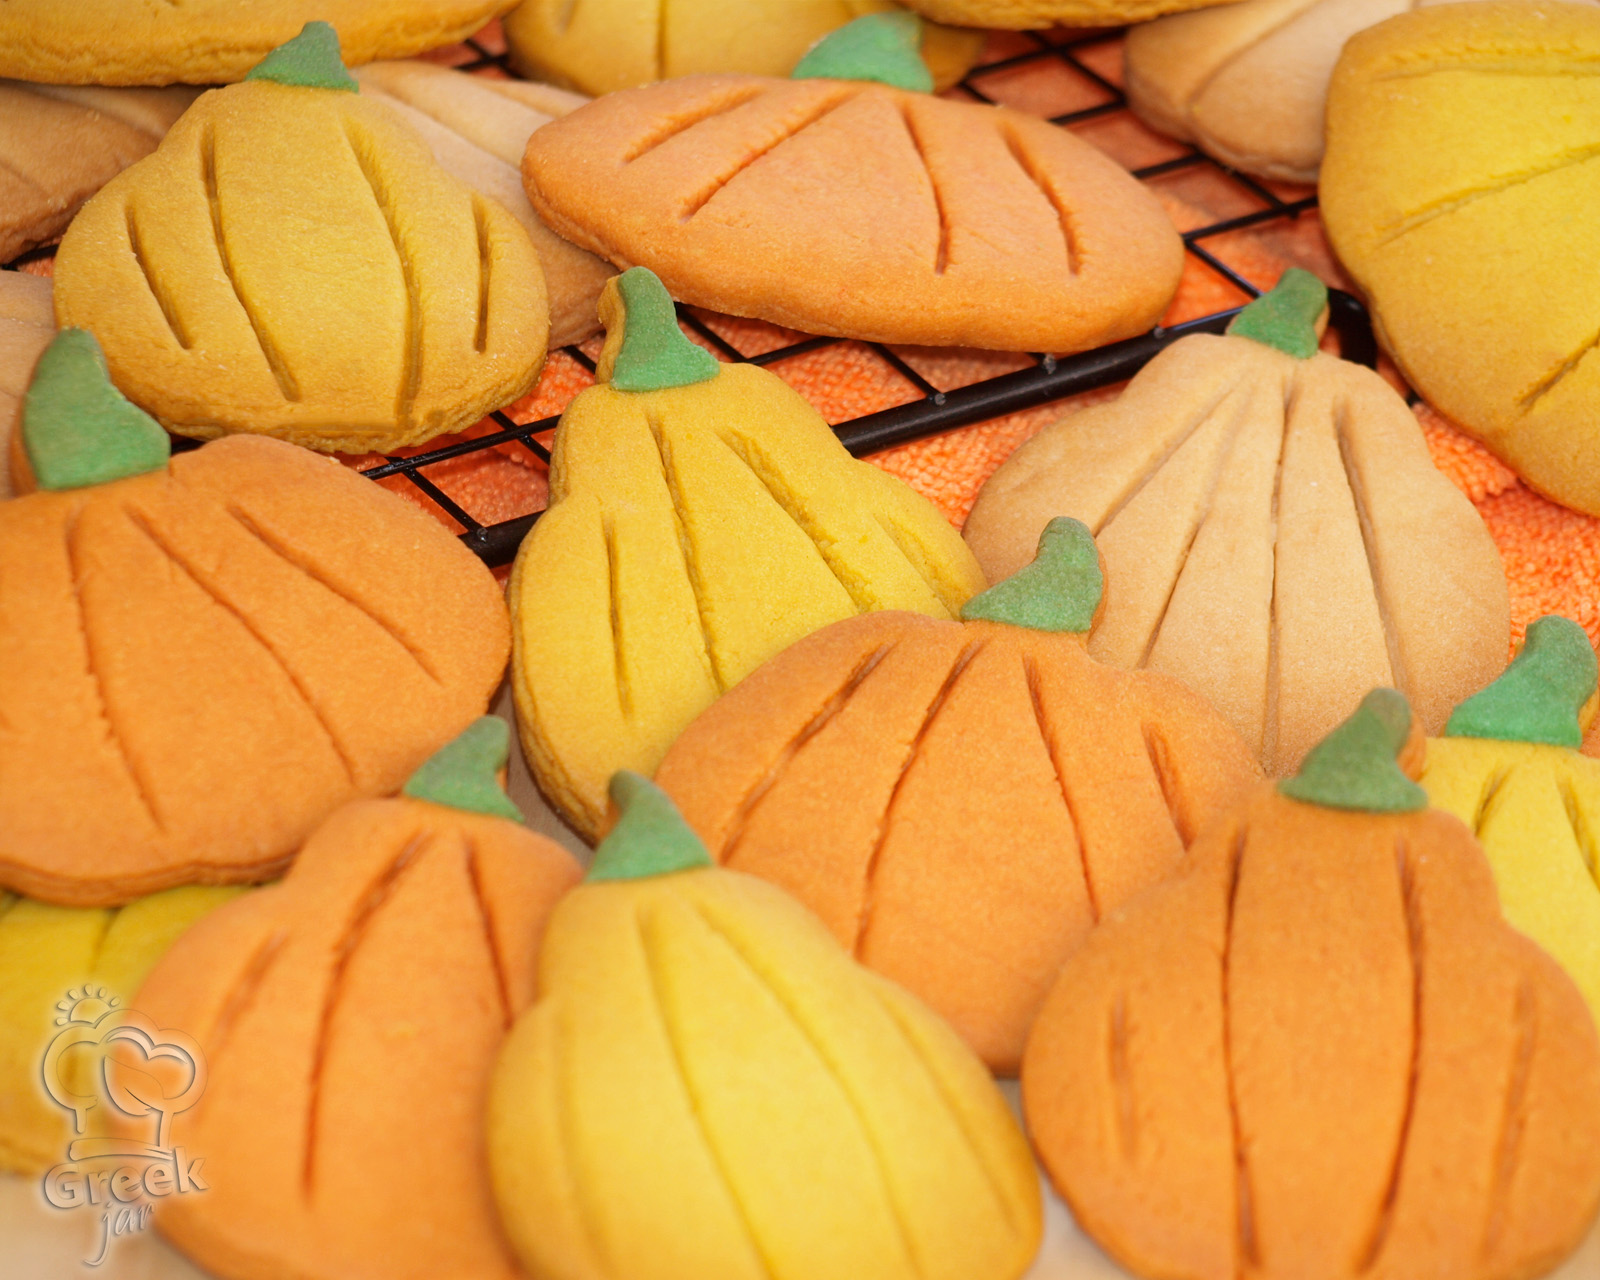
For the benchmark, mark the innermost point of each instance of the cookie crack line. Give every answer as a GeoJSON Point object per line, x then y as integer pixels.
{"type": "Point", "coordinates": [941, 256]}
{"type": "Point", "coordinates": [1159, 754]}
{"type": "Point", "coordinates": [246, 987]}
{"type": "Point", "coordinates": [686, 548]}
{"type": "Point", "coordinates": [1513, 1115]}
{"type": "Point", "coordinates": [497, 965]}
{"type": "Point", "coordinates": [817, 113]}
{"type": "Point", "coordinates": [951, 597]}
{"type": "Point", "coordinates": [1031, 678]}
{"type": "Point", "coordinates": [480, 224]}
{"type": "Point", "coordinates": [670, 1031]}
{"type": "Point", "coordinates": [1492, 786]}
{"type": "Point", "coordinates": [1035, 174]}
{"type": "Point", "coordinates": [145, 526]}
{"type": "Point", "coordinates": [1580, 827]}
{"type": "Point", "coordinates": [7, 167]}
{"type": "Point", "coordinates": [1122, 1079]}
{"type": "Point", "coordinates": [964, 659]}
{"type": "Point", "coordinates": [169, 312]}
{"type": "Point", "coordinates": [737, 97]}
{"type": "Point", "coordinates": [288, 387]}
{"type": "Point", "coordinates": [820, 719]}
{"type": "Point", "coordinates": [378, 892]}
{"type": "Point", "coordinates": [1244, 1229]}
{"type": "Point", "coordinates": [1210, 78]}
{"type": "Point", "coordinates": [1369, 540]}
{"type": "Point", "coordinates": [1550, 382]}
{"type": "Point", "coordinates": [619, 666]}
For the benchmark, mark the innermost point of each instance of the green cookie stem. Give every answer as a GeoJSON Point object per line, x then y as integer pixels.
{"type": "Point", "coordinates": [311, 60]}
{"type": "Point", "coordinates": [645, 350]}
{"type": "Point", "coordinates": [886, 47]}
{"type": "Point", "coordinates": [463, 774]}
{"type": "Point", "coordinates": [650, 838]}
{"type": "Point", "coordinates": [1540, 695]}
{"type": "Point", "coordinates": [1059, 591]}
{"type": "Point", "coordinates": [1286, 318]}
{"type": "Point", "coordinates": [1355, 767]}
{"type": "Point", "coordinates": [78, 429]}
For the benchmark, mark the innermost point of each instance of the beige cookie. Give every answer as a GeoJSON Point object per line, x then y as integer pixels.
{"type": "Point", "coordinates": [477, 128]}
{"type": "Point", "coordinates": [26, 326]}
{"type": "Point", "coordinates": [602, 45]}
{"type": "Point", "coordinates": [1020, 15]}
{"type": "Point", "coordinates": [59, 145]}
{"type": "Point", "coordinates": [1275, 534]}
{"type": "Point", "coordinates": [211, 41]}
{"type": "Point", "coordinates": [854, 208]}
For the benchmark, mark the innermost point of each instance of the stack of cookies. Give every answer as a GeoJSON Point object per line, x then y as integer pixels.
{"type": "Point", "coordinates": [1188, 783]}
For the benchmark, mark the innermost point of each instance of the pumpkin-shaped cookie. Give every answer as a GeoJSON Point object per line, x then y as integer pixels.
{"type": "Point", "coordinates": [47, 951]}
{"type": "Point", "coordinates": [605, 45]}
{"type": "Point", "coordinates": [702, 517]}
{"type": "Point", "coordinates": [960, 802]}
{"type": "Point", "coordinates": [1459, 190]}
{"type": "Point", "coordinates": [843, 206]}
{"type": "Point", "coordinates": [707, 1085]}
{"type": "Point", "coordinates": [292, 262]}
{"type": "Point", "coordinates": [349, 1018]}
{"type": "Point", "coordinates": [206, 656]}
{"type": "Point", "coordinates": [1320, 1050]}
{"type": "Point", "coordinates": [1275, 532]}
{"type": "Point", "coordinates": [1508, 764]}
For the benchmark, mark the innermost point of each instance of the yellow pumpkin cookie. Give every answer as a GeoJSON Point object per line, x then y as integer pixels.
{"type": "Point", "coordinates": [292, 262]}
{"type": "Point", "coordinates": [477, 128]}
{"type": "Point", "coordinates": [211, 41]}
{"type": "Point", "coordinates": [961, 802]}
{"type": "Point", "coordinates": [349, 1017]}
{"type": "Point", "coordinates": [1275, 532]}
{"type": "Point", "coordinates": [1508, 764]}
{"type": "Point", "coordinates": [702, 517]}
{"type": "Point", "coordinates": [46, 951]}
{"type": "Point", "coordinates": [206, 655]}
{"type": "Point", "coordinates": [27, 323]}
{"type": "Point", "coordinates": [835, 204]}
{"type": "Point", "coordinates": [1459, 189]}
{"type": "Point", "coordinates": [599, 46]}
{"type": "Point", "coordinates": [1320, 1050]}
{"type": "Point", "coordinates": [707, 1085]}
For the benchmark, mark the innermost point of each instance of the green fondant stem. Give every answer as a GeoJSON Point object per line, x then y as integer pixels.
{"type": "Point", "coordinates": [1540, 696]}
{"type": "Point", "coordinates": [645, 350]}
{"type": "Point", "coordinates": [886, 47]}
{"type": "Point", "coordinates": [311, 61]}
{"type": "Point", "coordinates": [1286, 317]}
{"type": "Point", "coordinates": [650, 838]}
{"type": "Point", "coordinates": [464, 773]}
{"type": "Point", "coordinates": [1059, 591]}
{"type": "Point", "coordinates": [1355, 766]}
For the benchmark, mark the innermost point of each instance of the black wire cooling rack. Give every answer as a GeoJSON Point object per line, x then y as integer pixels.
{"type": "Point", "coordinates": [1046, 377]}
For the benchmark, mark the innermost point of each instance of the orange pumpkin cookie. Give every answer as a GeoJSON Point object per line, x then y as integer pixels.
{"type": "Point", "coordinates": [206, 656]}
{"type": "Point", "coordinates": [961, 802]}
{"type": "Point", "coordinates": [349, 1018]}
{"type": "Point", "coordinates": [846, 207]}
{"type": "Point", "coordinates": [1320, 1051]}
{"type": "Point", "coordinates": [1276, 533]}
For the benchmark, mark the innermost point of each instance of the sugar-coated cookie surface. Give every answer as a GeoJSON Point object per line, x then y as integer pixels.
{"type": "Point", "coordinates": [131, 42]}
{"type": "Point", "coordinates": [1320, 1050]}
{"type": "Point", "coordinates": [707, 1085]}
{"type": "Point", "coordinates": [693, 531]}
{"type": "Point", "coordinates": [349, 1018]}
{"type": "Point", "coordinates": [205, 660]}
{"type": "Point", "coordinates": [599, 46]}
{"type": "Point", "coordinates": [959, 803]}
{"type": "Point", "coordinates": [477, 128]}
{"type": "Point", "coordinates": [1035, 14]}
{"type": "Point", "coordinates": [292, 262]}
{"type": "Point", "coordinates": [1458, 190]}
{"type": "Point", "coordinates": [1275, 534]}
{"type": "Point", "coordinates": [853, 208]}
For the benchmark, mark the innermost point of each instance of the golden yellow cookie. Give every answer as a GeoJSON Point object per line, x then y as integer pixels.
{"type": "Point", "coordinates": [1459, 189]}
{"type": "Point", "coordinates": [292, 262]}
{"type": "Point", "coordinates": [602, 45]}
{"type": "Point", "coordinates": [1275, 532]}
{"type": "Point", "coordinates": [708, 1086]}
{"type": "Point", "coordinates": [477, 128]}
{"type": "Point", "coordinates": [45, 951]}
{"type": "Point", "coordinates": [1019, 15]}
{"type": "Point", "coordinates": [211, 41]}
{"type": "Point", "coordinates": [702, 517]}
{"type": "Point", "coordinates": [27, 323]}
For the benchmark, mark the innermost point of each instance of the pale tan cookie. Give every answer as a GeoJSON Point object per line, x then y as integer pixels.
{"type": "Point", "coordinates": [600, 46]}
{"type": "Point", "coordinates": [1275, 533]}
{"type": "Point", "coordinates": [292, 262]}
{"type": "Point", "coordinates": [27, 323]}
{"type": "Point", "coordinates": [60, 145]}
{"type": "Point", "coordinates": [1248, 83]}
{"type": "Point", "coordinates": [211, 41]}
{"type": "Point", "coordinates": [1459, 190]}
{"type": "Point", "coordinates": [1019, 15]}
{"type": "Point", "coordinates": [854, 208]}
{"type": "Point", "coordinates": [477, 129]}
